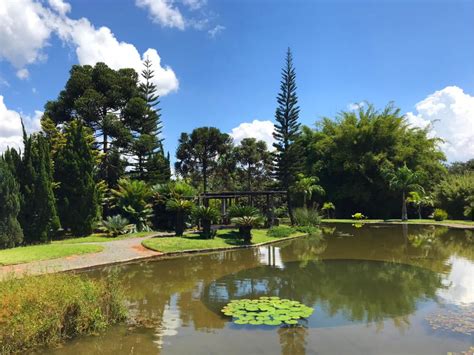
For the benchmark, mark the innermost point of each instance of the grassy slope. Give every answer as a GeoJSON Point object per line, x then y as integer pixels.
{"type": "Point", "coordinates": [101, 237]}
{"type": "Point", "coordinates": [413, 221]}
{"type": "Point", "coordinates": [224, 239]}
{"type": "Point", "coordinates": [43, 252]}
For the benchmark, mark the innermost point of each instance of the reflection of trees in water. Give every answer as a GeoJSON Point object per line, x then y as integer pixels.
{"type": "Point", "coordinates": [360, 290]}
{"type": "Point", "coordinates": [293, 340]}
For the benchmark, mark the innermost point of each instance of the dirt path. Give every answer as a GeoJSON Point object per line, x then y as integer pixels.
{"type": "Point", "coordinates": [114, 252]}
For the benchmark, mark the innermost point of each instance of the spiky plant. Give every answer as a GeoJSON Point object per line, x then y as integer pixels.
{"type": "Point", "coordinates": [205, 216]}
{"type": "Point", "coordinates": [181, 207]}
{"type": "Point", "coordinates": [116, 225]}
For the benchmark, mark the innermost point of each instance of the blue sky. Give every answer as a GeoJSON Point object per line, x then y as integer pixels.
{"type": "Point", "coordinates": [411, 52]}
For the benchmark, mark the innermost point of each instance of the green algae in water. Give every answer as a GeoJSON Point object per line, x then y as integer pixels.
{"type": "Point", "coordinates": [271, 311]}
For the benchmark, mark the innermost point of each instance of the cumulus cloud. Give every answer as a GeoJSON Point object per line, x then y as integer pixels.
{"type": "Point", "coordinates": [261, 130]}
{"type": "Point", "coordinates": [10, 126]}
{"type": "Point", "coordinates": [163, 12]}
{"type": "Point", "coordinates": [26, 26]}
{"type": "Point", "coordinates": [450, 112]}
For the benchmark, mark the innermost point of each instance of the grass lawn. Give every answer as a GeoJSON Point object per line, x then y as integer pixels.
{"type": "Point", "coordinates": [43, 252]}
{"type": "Point", "coordinates": [413, 221]}
{"type": "Point", "coordinates": [101, 237]}
{"type": "Point", "coordinates": [224, 239]}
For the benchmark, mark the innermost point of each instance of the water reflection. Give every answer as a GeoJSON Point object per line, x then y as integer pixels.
{"type": "Point", "coordinates": [389, 276]}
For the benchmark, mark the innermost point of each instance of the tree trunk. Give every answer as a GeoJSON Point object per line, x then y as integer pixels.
{"type": "Point", "coordinates": [404, 207]}
{"type": "Point", "coordinates": [179, 228]}
{"type": "Point", "coordinates": [290, 208]}
{"type": "Point", "coordinates": [419, 212]}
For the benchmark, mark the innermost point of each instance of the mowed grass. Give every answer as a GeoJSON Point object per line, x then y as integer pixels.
{"type": "Point", "coordinates": [411, 221]}
{"type": "Point", "coordinates": [224, 239]}
{"type": "Point", "coordinates": [44, 252]}
{"type": "Point", "coordinates": [102, 237]}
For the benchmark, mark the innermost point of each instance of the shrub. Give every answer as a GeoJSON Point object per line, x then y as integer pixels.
{"type": "Point", "coordinates": [358, 216]}
{"type": "Point", "coordinates": [306, 217]}
{"type": "Point", "coordinates": [310, 230]}
{"type": "Point", "coordinates": [453, 194]}
{"type": "Point", "coordinates": [241, 211]}
{"type": "Point", "coordinates": [45, 310]}
{"type": "Point", "coordinates": [280, 232]}
{"type": "Point", "coordinates": [116, 225]}
{"type": "Point", "coordinates": [205, 216]}
{"type": "Point", "coordinates": [181, 207]}
{"type": "Point", "coordinates": [245, 224]}
{"type": "Point", "coordinates": [439, 214]}
{"type": "Point", "coordinates": [328, 208]}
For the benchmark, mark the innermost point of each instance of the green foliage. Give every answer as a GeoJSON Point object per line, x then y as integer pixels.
{"type": "Point", "coordinates": [206, 216]}
{"type": "Point", "coordinates": [132, 199]}
{"type": "Point", "coordinates": [352, 153]}
{"type": "Point", "coordinates": [309, 230]}
{"type": "Point", "coordinates": [254, 163]}
{"type": "Point", "coordinates": [419, 199]}
{"type": "Point", "coordinates": [306, 217]}
{"type": "Point", "coordinates": [307, 185]}
{"type": "Point", "coordinates": [453, 193]}
{"type": "Point", "coordinates": [280, 231]}
{"type": "Point", "coordinates": [49, 309]}
{"type": "Point", "coordinates": [358, 216]}
{"type": "Point", "coordinates": [33, 171]}
{"type": "Point", "coordinates": [198, 152]}
{"type": "Point", "coordinates": [242, 210]}
{"type": "Point", "coordinates": [329, 209]}
{"type": "Point", "coordinates": [440, 214]}
{"type": "Point", "coordinates": [11, 233]}
{"type": "Point", "coordinates": [271, 311]}
{"type": "Point", "coordinates": [469, 208]}
{"type": "Point", "coordinates": [115, 225]}
{"type": "Point", "coordinates": [75, 168]}
{"type": "Point", "coordinates": [287, 153]}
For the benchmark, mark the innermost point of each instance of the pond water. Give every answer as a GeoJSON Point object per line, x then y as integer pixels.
{"type": "Point", "coordinates": [375, 289]}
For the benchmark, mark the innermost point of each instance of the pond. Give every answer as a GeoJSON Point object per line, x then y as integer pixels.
{"type": "Point", "coordinates": [375, 289]}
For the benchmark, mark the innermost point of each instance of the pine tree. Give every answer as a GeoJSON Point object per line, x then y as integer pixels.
{"type": "Point", "coordinates": [11, 233]}
{"type": "Point", "coordinates": [38, 217]}
{"type": "Point", "coordinates": [77, 193]}
{"type": "Point", "coordinates": [147, 147]}
{"type": "Point", "coordinates": [287, 156]}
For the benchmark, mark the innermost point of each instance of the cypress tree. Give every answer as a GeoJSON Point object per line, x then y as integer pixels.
{"type": "Point", "coordinates": [11, 233]}
{"type": "Point", "coordinates": [38, 217]}
{"type": "Point", "coordinates": [287, 156]}
{"type": "Point", "coordinates": [77, 193]}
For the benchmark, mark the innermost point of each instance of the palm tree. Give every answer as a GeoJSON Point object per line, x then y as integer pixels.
{"type": "Point", "coordinates": [419, 199]}
{"type": "Point", "coordinates": [181, 207]}
{"type": "Point", "coordinates": [307, 185]}
{"type": "Point", "coordinates": [403, 180]}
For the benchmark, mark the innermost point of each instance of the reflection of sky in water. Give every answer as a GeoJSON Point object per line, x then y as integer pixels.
{"type": "Point", "coordinates": [171, 321]}
{"type": "Point", "coordinates": [460, 282]}
{"type": "Point", "coordinates": [270, 255]}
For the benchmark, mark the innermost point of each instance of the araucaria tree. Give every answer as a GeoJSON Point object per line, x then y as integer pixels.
{"type": "Point", "coordinates": [287, 156]}
{"type": "Point", "coordinates": [198, 153]}
{"type": "Point", "coordinates": [150, 163]}
{"type": "Point", "coordinates": [75, 170]}
{"type": "Point", "coordinates": [10, 230]}
{"type": "Point", "coordinates": [254, 163]}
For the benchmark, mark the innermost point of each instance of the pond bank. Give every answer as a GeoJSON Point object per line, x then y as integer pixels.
{"type": "Point", "coordinates": [450, 224]}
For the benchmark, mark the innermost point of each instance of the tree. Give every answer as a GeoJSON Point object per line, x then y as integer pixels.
{"type": "Point", "coordinates": [144, 117]}
{"type": "Point", "coordinates": [351, 153]}
{"type": "Point", "coordinates": [403, 180]}
{"type": "Point", "coordinates": [308, 186]}
{"type": "Point", "coordinates": [254, 161]}
{"type": "Point", "coordinates": [98, 97]}
{"type": "Point", "coordinates": [329, 208]}
{"type": "Point", "coordinates": [198, 152]}
{"type": "Point", "coordinates": [453, 193]}
{"type": "Point", "coordinates": [75, 173]}
{"type": "Point", "coordinates": [34, 172]}
{"type": "Point", "coordinates": [287, 154]}
{"type": "Point", "coordinates": [11, 233]}
{"type": "Point", "coordinates": [419, 199]}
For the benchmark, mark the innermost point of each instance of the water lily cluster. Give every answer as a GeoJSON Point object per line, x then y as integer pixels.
{"type": "Point", "coordinates": [271, 311]}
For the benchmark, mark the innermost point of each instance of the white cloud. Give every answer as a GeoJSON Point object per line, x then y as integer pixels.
{"type": "Point", "coordinates": [163, 12]}
{"type": "Point", "coordinates": [355, 106]}
{"type": "Point", "coordinates": [216, 30]}
{"type": "Point", "coordinates": [261, 130]}
{"type": "Point", "coordinates": [26, 26]}
{"type": "Point", "coordinates": [60, 6]}
{"type": "Point", "coordinates": [450, 112]}
{"type": "Point", "coordinates": [11, 134]}
{"type": "Point", "coordinates": [23, 74]}
{"type": "Point", "coordinates": [194, 4]}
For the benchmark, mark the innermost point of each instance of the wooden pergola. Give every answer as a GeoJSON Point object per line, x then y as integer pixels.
{"type": "Point", "coordinates": [228, 198]}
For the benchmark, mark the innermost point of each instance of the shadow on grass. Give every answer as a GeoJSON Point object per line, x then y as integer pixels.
{"type": "Point", "coordinates": [231, 238]}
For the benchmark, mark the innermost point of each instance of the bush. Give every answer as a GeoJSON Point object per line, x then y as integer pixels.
{"type": "Point", "coordinates": [116, 225]}
{"type": "Point", "coordinates": [280, 232]}
{"type": "Point", "coordinates": [439, 214]}
{"type": "Point", "coordinates": [358, 216]}
{"type": "Point", "coordinates": [45, 310]}
{"type": "Point", "coordinates": [453, 194]}
{"type": "Point", "coordinates": [306, 217]}
{"type": "Point", "coordinates": [310, 230]}
{"type": "Point", "coordinates": [241, 211]}
{"type": "Point", "coordinates": [206, 216]}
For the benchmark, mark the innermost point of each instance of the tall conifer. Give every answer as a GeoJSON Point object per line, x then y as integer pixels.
{"type": "Point", "coordinates": [287, 157]}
